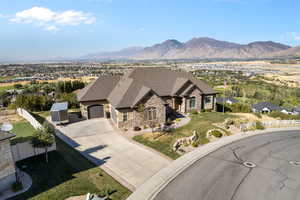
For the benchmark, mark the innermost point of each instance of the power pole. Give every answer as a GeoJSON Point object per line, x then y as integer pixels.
{"type": "Point", "coordinates": [224, 97]}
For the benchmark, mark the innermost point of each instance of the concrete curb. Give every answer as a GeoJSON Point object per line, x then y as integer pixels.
{"type": "Point", "coordinates": [156, 183]}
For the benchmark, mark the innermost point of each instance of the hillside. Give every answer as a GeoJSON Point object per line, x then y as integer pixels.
{"type": "Point", "coordinates": [291, 52]}
{"type": "Point", "coordinates": [196, 48]}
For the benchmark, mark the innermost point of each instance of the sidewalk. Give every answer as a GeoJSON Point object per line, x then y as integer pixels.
{"type": "Point", "coordinates": [155, 184]}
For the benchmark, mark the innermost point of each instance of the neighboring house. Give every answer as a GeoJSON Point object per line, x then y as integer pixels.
{"type": "Point", "coordinates": [267, 107]}
{"type": "Point", "coordinates": [7, 164]}
{"type": "Point", "coordinates": [297, 110]}
{"type": "Point", "coordinates": [227, 100]}
{"type": "Point", "coordinates": [145, 95]}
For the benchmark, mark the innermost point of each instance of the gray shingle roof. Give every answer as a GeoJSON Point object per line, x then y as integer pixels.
{"type": "Point", "coordinates": [98, 89]}
{"type": "Point", "coordinates": [126, 91]}
{"type": "Point", "coordinates": [5, 135]}
{"type": "Point", "coordinates": [260, 106]}
{"type": "Point", "coordinates": [297, 109]}
{"type": "Point", "coordinates": [59, 106]}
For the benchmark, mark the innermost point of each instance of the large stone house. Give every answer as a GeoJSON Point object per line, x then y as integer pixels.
{"type": "Point", "coordinates": [7, 164]}
{"type": "Point", "coordinates": [145, 96]}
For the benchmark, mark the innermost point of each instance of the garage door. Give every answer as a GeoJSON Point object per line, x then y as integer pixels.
{"type": "Point", "coordinates": [96, 111]}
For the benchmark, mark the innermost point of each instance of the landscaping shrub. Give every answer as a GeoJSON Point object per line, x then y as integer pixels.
{"type": "Point", "coordinates": [178, 119]}
{"type": "Point", "coordinates": [259, 126]}
{"type": "Point", "coordinates": [194, 112]}
{"type": "Point", "coordinates": [195, 144]}
{"type": "Point", "coordinates": [136, 128]}
{"type": "Point", "coordinates": [17, 186]}
{"type": "Point", "coordinates": [240, 108]}
{"type": "Point", "coordinates": [216, 133]}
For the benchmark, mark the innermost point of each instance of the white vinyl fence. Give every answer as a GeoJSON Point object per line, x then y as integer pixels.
{"type": "Point", "coordinates": [25, 150]}
{"type": "Point", "coordinates": [25, 114]}
{"type": "Point", "coordinates": [273, 124]}
{"type": "Point", "coordinates": [281, 123]}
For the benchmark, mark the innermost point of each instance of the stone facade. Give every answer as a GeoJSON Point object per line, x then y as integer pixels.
{"type": "Point", "coordinates": [136, 118]}
{"type": "Point", "coordinates": [84, 106]}
{"type": "Point", "coordinates": [7, 166]}
{"type": "Point", "coordinates": [198, 105]}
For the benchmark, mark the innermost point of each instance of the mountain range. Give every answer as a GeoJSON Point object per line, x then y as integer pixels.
{"type": "Point", "coordinates": [200, 48]}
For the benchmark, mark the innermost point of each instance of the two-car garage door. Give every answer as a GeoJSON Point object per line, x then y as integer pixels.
{"type": "Point", "coordinates": [95, 111]}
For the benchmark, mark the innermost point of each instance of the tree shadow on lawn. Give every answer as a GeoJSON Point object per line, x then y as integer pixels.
{"type": "Point", "coordinates": [62, 170]}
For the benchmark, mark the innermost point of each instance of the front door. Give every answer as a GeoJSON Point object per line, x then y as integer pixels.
{"type": "Point", "coordinates": [178, 102]}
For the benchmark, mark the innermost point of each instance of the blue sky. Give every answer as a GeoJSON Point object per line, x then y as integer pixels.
{"type": "Point", "coordinates": [40, 29]}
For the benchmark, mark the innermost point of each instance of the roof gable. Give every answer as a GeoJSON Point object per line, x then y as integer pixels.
{"type": "Point", "coordinates": [99, 89]}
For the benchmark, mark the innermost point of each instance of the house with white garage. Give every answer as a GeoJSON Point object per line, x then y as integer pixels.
{"type": "Point", "coordinates": [145, 95]}
{"type": "Point", "coordinates": [267, 107]}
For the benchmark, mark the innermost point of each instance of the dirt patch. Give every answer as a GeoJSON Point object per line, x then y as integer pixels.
{"type": "Point", "coordinates": [83, 197]}
{"type": "Point", "coordinates": [10, 116]}
{"type": "Point", "coordinates": [249, 117]}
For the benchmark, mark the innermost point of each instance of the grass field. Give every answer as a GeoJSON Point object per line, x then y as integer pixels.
{"type": "Point", "coordinates": [23, 130]}
{"type": "Point", "coordinates": [2, 88]}
{"type": "Point", "coordinates": [199, 122]}
{"type": "Point", "coordinates": [67, 174]}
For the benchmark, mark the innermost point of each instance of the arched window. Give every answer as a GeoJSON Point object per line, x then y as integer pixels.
{"type": "Point", "coordinates": [150, 114]}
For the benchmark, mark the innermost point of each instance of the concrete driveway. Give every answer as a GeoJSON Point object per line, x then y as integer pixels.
{"type": "Point", "coordinates": [131, 164]}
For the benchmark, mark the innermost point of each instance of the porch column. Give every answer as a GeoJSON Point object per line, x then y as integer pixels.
{"type": "Point", "coordinates": [183, 105]}
{"type": "Point", "coordinates": [173, 103]}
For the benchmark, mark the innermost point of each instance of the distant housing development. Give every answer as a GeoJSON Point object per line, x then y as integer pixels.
{"type": "Point", "coordinates": [145, 95]}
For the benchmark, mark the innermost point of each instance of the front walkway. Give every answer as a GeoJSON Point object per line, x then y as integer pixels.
{"type": "Point", "coordinates": [127, 162]}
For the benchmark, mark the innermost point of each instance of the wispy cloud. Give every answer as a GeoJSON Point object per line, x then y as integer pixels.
{"type": "Point", "coordinates": [51, 20]}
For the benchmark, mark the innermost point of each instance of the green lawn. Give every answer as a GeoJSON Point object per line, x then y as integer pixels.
{"type": "Point", "coordinates": [23, 130]}
{"type": "Point", "coordinates": [6, 88]}
{"type": "Point", "coordinates": [200, 122]}
{"type": "Point", "coordinates": [67, 174]}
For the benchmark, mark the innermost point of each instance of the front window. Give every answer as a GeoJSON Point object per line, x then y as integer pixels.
{"type": "Point", "coordinates": [208, 99]}
{"type": "Point", "coordinates": [193, 102]}
{"type": "Point", "coordinates": [125, 117]}
{"type": "Point", "coordinates": [150, 114]}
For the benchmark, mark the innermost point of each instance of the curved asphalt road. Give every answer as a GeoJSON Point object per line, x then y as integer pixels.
{"type": "Point", "coordinates": [222, 176]}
